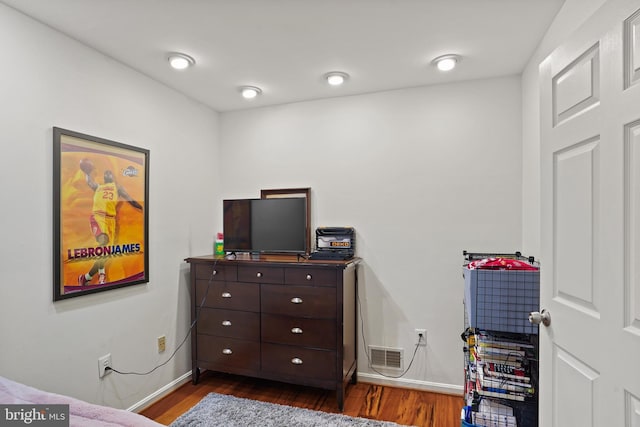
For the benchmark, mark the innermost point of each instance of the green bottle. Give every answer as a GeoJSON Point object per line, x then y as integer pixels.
{"type": "Point", "coordinates": [218, 247]}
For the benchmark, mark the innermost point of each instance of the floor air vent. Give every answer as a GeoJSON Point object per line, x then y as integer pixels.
{"type": "Point", "coordinates": [385, 357]}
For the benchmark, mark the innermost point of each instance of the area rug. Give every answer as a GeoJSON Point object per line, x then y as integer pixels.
{"type": "Point", "coordinates": [221, 410]}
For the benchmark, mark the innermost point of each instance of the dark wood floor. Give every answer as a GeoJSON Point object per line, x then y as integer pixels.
{"type": "Point", "coordinates": [400, 405]}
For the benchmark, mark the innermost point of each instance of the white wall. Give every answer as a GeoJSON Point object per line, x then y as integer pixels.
{"type": "Point", "coordinates": [422, 174]}
{"type": "Point", "coordinates": [569, 18]}
{"type": "Point", "coordinates": [51, 80]}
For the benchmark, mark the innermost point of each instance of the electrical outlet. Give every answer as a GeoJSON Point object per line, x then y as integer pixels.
{"type": "Point", "coordinates": [162, 343]}
{"type": "Point", "coordinates": [421, 337]}
{"type": "Point", "coordinates": [103, 363]}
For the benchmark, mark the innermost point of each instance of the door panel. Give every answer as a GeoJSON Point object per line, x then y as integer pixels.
{"type": "Point", "coordinates": [632, 227]}
{"type": "Point", "coordinates": [632, 410]}
{"type": "Point", "coordinates": [577, 87]}
{"type": "Point", "coordinates": [575, 175]}
{"type": "Point", "coordinates": [632, 50]}
{"type": "Point", "coordinates": [576, 402]}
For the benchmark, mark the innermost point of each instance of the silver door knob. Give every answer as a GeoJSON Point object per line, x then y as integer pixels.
{"type": "Point", "coordinates": [543, 317]}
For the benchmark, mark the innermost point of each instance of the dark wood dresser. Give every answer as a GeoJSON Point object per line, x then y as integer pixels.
{"type": "Point", "coordinates": [276, 318]}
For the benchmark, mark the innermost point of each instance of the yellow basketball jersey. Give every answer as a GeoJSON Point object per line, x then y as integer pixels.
{"type": "Point", "coordinates": [105, 199]}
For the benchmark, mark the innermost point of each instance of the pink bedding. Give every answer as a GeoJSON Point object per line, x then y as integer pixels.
{"type": "Point", "coordinates": [81, 414]}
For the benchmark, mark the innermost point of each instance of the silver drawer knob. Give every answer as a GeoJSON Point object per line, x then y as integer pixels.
{"type": "Point", "coordinates": [227, 351]}
{"type": "Point", "coordinates": [258, 274]}
{"type": "Point", "coordinates": [296, 300]}
{"type": "Point", "coordinates": [226, 295]}
{"type": "Point", "coordinates": [214, 272]}
{"type": "Point", "coordinates": [309, 277]}
{"type": "Point", "coordinates": [296, 361]}
{"type": "Point", "coordinates": [296, 330]}
{"type": "Point", "coordinates": [226, 323]}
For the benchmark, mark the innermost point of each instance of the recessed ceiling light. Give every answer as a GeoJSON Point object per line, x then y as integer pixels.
{"type": "Point", "coordinates": [447, 62]}
{"type": "Point", "coordinates": [180, 61]}
{"type": "Point", "coordinates": [250, 92]}
{"type": "Point", "coordinates": [336, 78]}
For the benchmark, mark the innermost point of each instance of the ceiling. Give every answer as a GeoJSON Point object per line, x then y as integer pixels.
{"type": "Point", "coordinates": [286, 46]}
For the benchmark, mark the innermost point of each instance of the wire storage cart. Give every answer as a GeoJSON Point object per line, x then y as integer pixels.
{"type": "Point", "coordinates": [500, 344]}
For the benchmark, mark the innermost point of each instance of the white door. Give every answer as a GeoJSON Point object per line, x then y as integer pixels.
{"type": "Point", "coordinates": [590, 188]}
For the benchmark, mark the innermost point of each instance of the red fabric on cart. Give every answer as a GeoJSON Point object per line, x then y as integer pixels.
{"type": "Point", "coordinates": [500, 264]}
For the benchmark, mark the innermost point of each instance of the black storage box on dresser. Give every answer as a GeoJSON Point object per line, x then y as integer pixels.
{"type": "Point", "coordinates": [334, 243]}
{"type": "Point", "coordinates": [276, 318]}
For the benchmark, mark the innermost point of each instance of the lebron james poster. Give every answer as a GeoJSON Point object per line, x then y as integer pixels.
{"type": "Point", "coordinates": [100, 214]}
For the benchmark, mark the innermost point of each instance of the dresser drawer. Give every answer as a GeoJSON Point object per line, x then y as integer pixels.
{"type": "Point", "coordinates": [229, 353]}
{"type": "Point", "coordinates": [299, 301]}
{"type": "Point", "coordinates": [222, 272]}
{"type": "Point", "coordinates": [315, 333]}
{"type": "Point", "coordinates": [299, 361]}
{"type": "Point", "coordinates": [229, 323]}
{"type": "Point", "coordinates": [228, 295]}
{"type": "Point", "coordinates": [260, 274]}
{"type": "Point", "coordinates": [310, 276]}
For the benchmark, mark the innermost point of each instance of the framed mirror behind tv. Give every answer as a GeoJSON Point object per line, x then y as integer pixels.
{"type": "Point", "coordinates": [293, 192]}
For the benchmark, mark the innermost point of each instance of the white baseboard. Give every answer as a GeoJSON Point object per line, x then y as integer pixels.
{"type": "Point", "coordinates": [362, 376]}
{"type": "Point", "coordinates": [159, 394]}
{"type": "Point", "coordinates": [407, 383]}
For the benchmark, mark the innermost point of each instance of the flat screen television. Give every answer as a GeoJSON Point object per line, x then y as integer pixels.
{"type": "Point", "coordinates": [277, 225]}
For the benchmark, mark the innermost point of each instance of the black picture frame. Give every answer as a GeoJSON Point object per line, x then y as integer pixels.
{"type": "Point", "coordinates": [293, 192]}
{"type": "Point", "coordinates": [100, 214]}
